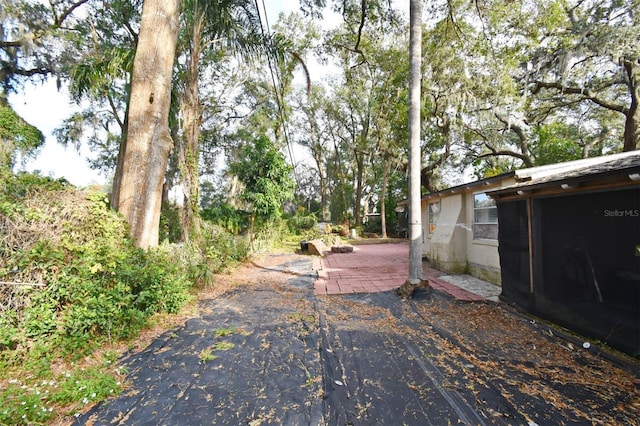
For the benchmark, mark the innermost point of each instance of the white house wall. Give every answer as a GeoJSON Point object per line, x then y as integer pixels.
{"type": "Point", "coordinates": [446, 247]}
{"type": "Point", "coordinates": [483, 260]}
{"type": "Point", "coordinates": [452, 248]}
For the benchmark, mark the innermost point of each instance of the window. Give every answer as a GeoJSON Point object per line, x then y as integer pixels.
{"type": "Point", "coordinates": [485, 217]}
{"type": "Point", "coordinates": [433, 214]}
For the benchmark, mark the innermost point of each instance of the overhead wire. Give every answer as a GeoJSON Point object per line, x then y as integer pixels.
{"type": "Point", "coordinates": [275, 79]}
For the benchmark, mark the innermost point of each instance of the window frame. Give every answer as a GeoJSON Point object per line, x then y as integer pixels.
{"type": "Point", "coordinates": [488, 228]}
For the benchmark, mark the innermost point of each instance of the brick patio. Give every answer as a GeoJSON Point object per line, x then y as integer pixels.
{"type": "Point", "coordinates": [373, 268]}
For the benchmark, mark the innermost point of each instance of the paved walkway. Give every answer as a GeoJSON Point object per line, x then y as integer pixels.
{"type": "Point", "coordinates": [373, 268]}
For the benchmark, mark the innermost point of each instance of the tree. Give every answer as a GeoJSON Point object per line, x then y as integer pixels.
{"type": "Point", "coordinates": [415, 208]}
{"type": "Point", "coordinates": [32, 46]}
{"type": "Point", "coordinates": [593, 59]}
{"type": "Point", "coordinates": [365, 46]}
{"type": "Point", "coordinates": [100, 81]}
{"type": "Point", "coordinates": [311, 107]}
{"type": "Point", "coordinates": [31, 35]}
{"type": "Point", "coordinates": [265, 176]}
{"type": "Point", "coordinates": [535, 64]}
{"type": "Point", "coordinates": [211, 31]}
{"type": "Point", "coordinates": [149, 141]}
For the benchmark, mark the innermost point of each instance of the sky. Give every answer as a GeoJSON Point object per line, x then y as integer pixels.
{"type": "Point", "coordinates": [43, 106]}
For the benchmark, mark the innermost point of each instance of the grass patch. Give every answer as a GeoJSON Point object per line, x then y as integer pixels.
{"type": "Point", "coordinates": [223, 346]}
{"type": "Point", "coordinates": [222, 332]}
{"type": "Point", "coordinates": [64, 390]}
{"type": "Point", "coordinates": [207, 355]}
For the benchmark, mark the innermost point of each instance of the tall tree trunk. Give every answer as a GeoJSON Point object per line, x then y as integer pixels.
{"type": "Point", "coordinates": [383, 196]}
{"type": "Point", "coordinates": [357, 205]}
{"type": "Point", "coordinates": [632, 122]}
{"type": "Point", "coordinates": [324, 200]}
{"type": "Point", "coordinates": [149, 142]}
{"type": "Point", "coordinates": [189, 150]}
{"type": "Point", "coordinates": [415, 74]}
{"type": "Point", "coordinates": [324, 205]}
{"type": "Point", "coordinates": [117, 177]}
{"type": "Point", "coordinates": [339, 167]}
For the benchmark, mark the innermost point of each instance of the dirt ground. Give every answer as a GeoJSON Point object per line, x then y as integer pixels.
{"type": "Point", "coordinates": [261, 349]}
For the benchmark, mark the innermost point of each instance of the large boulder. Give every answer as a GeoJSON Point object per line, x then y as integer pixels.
{"type": "Point", "coordinates": [317, 247]}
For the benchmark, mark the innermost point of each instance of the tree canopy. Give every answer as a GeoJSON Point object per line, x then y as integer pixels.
{"type": "Point", "coordinates": [504, 86]}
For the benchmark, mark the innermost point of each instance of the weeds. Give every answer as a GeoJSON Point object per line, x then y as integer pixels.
{"type": "Point", "coordinates": [207, 355]}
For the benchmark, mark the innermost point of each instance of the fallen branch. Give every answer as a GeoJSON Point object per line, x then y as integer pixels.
{"type": "Point", "coordinates": [15, 283]}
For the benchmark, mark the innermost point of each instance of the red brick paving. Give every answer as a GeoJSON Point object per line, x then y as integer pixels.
{"type": "Point", "coordinates": [373, 268]}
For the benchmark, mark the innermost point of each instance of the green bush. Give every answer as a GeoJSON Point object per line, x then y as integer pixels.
{"type": "Point", "coordinates": [86, 279]}
{"type": "Point", "coordinates": [170, 223]}
{"type": "Point", "coordinates": [77, 281]}
{"type": "Point", "coordinates": [224, 249]}
{"type": "Point", "coordinates": [227, 217]}
{"type": "Point", "coordinates": [316, 234]}
{"type": "Point", "coordinates": [217, 251]}
{"type": "Point", "coordinates": [300, 223]}
{"type": "Point", "coordinates": [270, 235]}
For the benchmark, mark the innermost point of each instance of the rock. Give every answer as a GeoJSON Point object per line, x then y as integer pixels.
{"type": "Point", "coordinates": [317, 247]}
{"type": "Point", "coordinates": [341, 249]}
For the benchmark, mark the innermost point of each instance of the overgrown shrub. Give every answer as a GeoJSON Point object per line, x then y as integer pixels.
{"type": "Point", "coordinates": [223, 249]}
{"type": "Point", "coordinates": [68, 260]}
{"type": "Point", "coordinates": [217, 251]}
{"type": "Point", "coordinates": [70, 279]}
{"type": "Point", "coordinates": [227, 217]}
{"type": "Point", "coordinates": [170, 223]}
{"type": "Point", "coordinates": [316, 234]}
{"type": "Point", "coordinates": [270, 235]}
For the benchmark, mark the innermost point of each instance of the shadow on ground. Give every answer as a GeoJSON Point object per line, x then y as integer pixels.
{"type": "Point", "coordinates": [269, 352]}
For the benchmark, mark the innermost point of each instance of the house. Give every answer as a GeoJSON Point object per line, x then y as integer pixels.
{"type": "Point", "coordinates": [569, 246]}
{"type": "Point", "coordinates": [460, 228]}
{"type": "Point", "coordinates": [563, 241]}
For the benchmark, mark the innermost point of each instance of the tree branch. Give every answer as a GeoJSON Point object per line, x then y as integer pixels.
{"type": "Point", "coordinates": [59, 20]}
{"type": "Point", "coordinates": [506, 152]}
{"type": "Point", "coordinates": [585, 93]}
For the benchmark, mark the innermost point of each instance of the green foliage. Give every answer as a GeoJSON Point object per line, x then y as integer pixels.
{"type": "Point", "coordinates": [14, 187]}
{"type": "Point", "coordinates": [223, 249]}
{"type": "Point", "coordinates": [373, 225]}
{"type": "Point", "coordinates": [227, 217]}
{"type": "Point", "coordinates": [556, 143]}
{"type": "Point", "coordinates": [270, 235]}
{"type": "Point", "coordinates": [16, 136]}
{"type": "Point", "coordinates": [219, 251]}
{"type": "Point", "coordinates": [316, 234]}
{"type": "Point", "coordinates": [265, 174]}
{"type": "Point", "coordinates": [31, 401]}
{"type": "Point", "coordinates": [301, 222]}
{"type": "Point", "coordinates": [206, 355]}
{"type": "Point", "coordinates": [170, 223]}
{"type": "Point", "coordinates": [78, 282]}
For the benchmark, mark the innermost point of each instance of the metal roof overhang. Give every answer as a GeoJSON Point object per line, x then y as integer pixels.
{"type": "Point", "coordinates": [619, 173]}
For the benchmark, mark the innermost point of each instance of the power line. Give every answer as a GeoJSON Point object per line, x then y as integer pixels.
{"type": "Point", "coordinates": [275, 79]}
